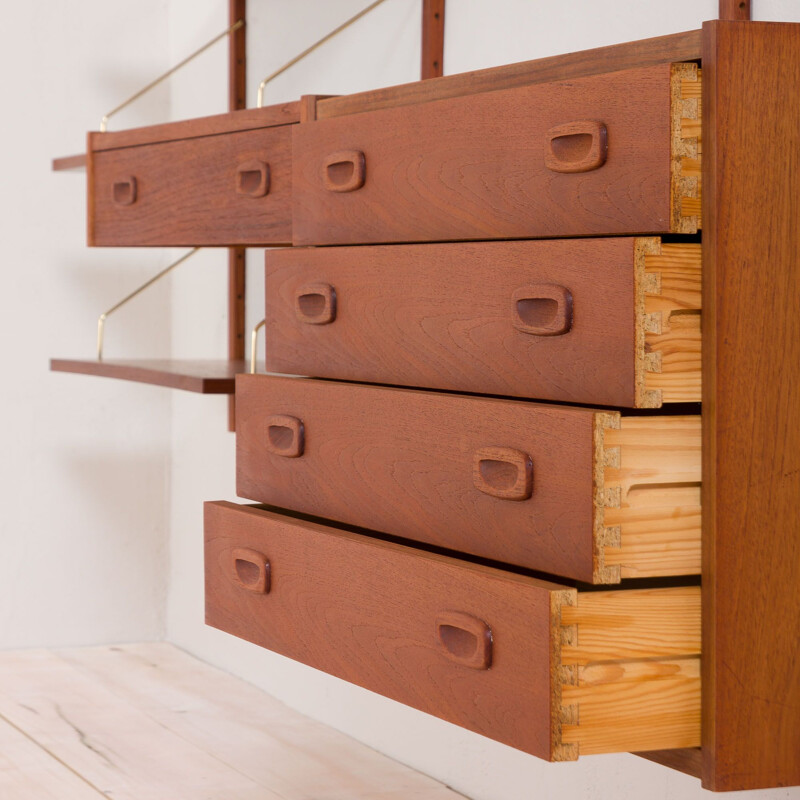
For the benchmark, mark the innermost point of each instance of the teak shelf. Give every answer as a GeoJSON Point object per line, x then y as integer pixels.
{"type": "Point", "coordinates": [201, 376]}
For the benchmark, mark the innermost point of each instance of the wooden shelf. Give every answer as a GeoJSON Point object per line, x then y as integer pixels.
{"type": "Point", "coordinates": [201, 376]}
{"type": "Point", "coordinates": [70, 163]}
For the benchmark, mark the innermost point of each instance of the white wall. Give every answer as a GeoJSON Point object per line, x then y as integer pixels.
{"type": "Point", "coordinates": [110, 425]}
{"type": "Point", "coordinates": [84, 465]}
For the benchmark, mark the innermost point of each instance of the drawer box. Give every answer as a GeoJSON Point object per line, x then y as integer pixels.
{"type": "Point", "coordinates": [538, 666]}
{"type": "Point", "coordinates": [602, 321]}
{"type": "Point", "coordinates": [571, 491]}
{"type": "Point", "coordinates": [609, 154]}
{"type": "Point", "coordinates": [181, 185]}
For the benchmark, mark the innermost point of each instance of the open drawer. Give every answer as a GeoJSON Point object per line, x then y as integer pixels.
{"type": "Point", "coordinates": [541, 667]}
{"type": "Point", "coordinates": [591, 495]}
{"type": "Point", "coordinates": [610, 154]}
{"type": "Point", "coordinates": [600, 321]}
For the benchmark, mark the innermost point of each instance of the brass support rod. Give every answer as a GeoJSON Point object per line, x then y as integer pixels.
{"type": "Point", "coordinates": [104, 122]}
{"type": "Point", "coordinates": [254, 346]}
{"type": "Point", "coordinates": [311, 49]}
{"type": "Point", "coordinates": [101, 321]}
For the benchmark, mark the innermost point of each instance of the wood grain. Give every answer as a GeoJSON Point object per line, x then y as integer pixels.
{"type": "Point", "coordinates": [27, 770]}
{"type": "Point", "coordinates": [231, 122]}
{"type": "Point", "coordinates": [666, 625]}
{"type": "Point", "coordinates": [432, 39]}
{"type": "Point", "coordinates": [659, 50]}
{"type": "Point", "coordinates": [751, 396]}
{"type": "Point", "coordinates": [403, 462]}
{"type": "Point", "coordinates": [646, 705]}
{"type": "Point", "coordinates": [111, 743]}
{"type": "Point", "coordinates": [365, 611]}
{"type": "Point", "coordinates": [630, 670]}
{"type": "Point", "coordinates": [474, 167]}
{"type": "Point", "coordinates": [647, 496]}
{"type": "Point", "coordinates": [668, 306]}
{"type": "Point", "coordinates": [204, 377]}
{"type": "Point", "coordinates": [187, 192]}
{"type": "Point", "coordinates": [425, 315]}
{"type": "Point", "coordinates": [398, 325]}
{"type": "Point", "coordinates": [250, 731]}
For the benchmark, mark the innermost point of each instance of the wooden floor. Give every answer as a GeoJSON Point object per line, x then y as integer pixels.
{"type": "Point", "coordinates": [148, 722]}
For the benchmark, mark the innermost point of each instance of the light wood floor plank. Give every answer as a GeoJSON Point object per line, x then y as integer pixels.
{"type": "Point", "coordinates": [27, 772]}
{"type": "Point", "coordinates": [115, 746]}
{"type": "Point", "coordinates": [248, 730]}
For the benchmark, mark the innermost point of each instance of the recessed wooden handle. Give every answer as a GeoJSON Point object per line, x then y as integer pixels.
{"type": "Point", "coordinates": [542, 309]}
{"type": "Point", "coordinates": [315, 303]}
{"type": "Point", "coordinates": [503, 472]}
{"type": "Point", "coordinates": [576, 146]}
{"type": "Point", "coordinates": [285, 436]}
{"type": "Point", "coordinates": [344, 171]}
{"type": "Point", "coordinates": [252, 178]}
{"type": "Point", "coordinates": [124, 191]}
{"type": "Point", "coordinates": [464, 639]}
{"type": "Point", "coordinates": [250, 570]}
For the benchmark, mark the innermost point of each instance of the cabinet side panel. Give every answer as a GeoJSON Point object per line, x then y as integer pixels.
{"type": "Point", "coordinates": [751, 397]}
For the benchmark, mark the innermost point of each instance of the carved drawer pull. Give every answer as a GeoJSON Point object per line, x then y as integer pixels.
{"type": "Point", "coordinates": [250, 570]}
{"type": "Point", "coordinates": [315, 303]}
{"type": "Point", "coordinates": [344, 171]}
{"type": "Point", "coordinates": [542, 309]}
{"type": "Point", "coordinates": [285, 436]}
{"type": "Point", "coordinates": [503, 472]}
{"type": "Point", "coordinates": [464, 639]}
{"type": "Point", "coordinates": [576, 146]}
{"type": "Point", "coordinates": [252, 178]}
{"type": "Point", "coordinates": [124, 191]}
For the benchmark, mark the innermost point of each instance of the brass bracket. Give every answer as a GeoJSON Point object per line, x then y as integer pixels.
{"type": "Point", "coordinates": [308, 50]}
{"type": "Point", "coordinates": [101, 321]}
{"type": "Point", "coordinates": [104, 122]}
{"type": "Point", "coordinates": [254, 346]}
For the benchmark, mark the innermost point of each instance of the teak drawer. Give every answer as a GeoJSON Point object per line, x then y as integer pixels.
{"type": "Point", "coordinates": [602, 321]}
{"type": "Point", "coordinates": [571, 491]}
{"type": "Point", "coordinates": [541, 667]}
{"type": "Point", "coordinates": [610, 154]}
{"type": "Point", "coordinates": [228, 189]}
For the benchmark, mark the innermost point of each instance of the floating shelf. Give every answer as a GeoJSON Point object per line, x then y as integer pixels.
{"type": "Point", "coordinates": [70, 163]}
{"type": "Point", "coordinates": [201, 376]}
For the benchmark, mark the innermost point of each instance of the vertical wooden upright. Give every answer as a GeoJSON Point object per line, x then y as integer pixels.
{"type": "Point", "coordinates": [751, 405]}
{"type": "Point", "coordinates": [432, 39]}
{"type": "Point", "coordinates": [734, 9]}
{"type": "Point", "coordinates": [237, 98]}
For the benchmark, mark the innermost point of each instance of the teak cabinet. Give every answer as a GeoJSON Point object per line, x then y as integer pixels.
{"type": "Point", "coordinates": [548, 315]}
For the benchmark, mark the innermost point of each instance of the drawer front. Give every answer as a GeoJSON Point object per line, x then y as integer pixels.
{"type": "Point", "coordinates": [544, 487]}
{"type": "Point", "coordinates": [232, 189]}
{"type": "Point", "coordinates": [560, 320]}
{"type": "Point", "coordinates": [475, 646]}
{"type": "Point", "coordinates": [596, 155]}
